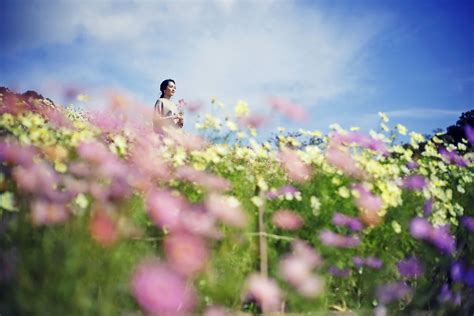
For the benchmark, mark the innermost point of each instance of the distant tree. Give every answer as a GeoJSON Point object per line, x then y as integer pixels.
{"type": "Point", "coordinates": [455, 133]}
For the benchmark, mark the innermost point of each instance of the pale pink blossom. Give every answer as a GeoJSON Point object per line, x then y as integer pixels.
{"type": "Point", "coordinates": [294, 166]}
{"type": "Point", "coordinates": [303, 250]}
{"type": "Point", "coordinates": [341, 159]}
{"type": "Point", "coordinates": [311, 287]}
{"type": "Point", "coordinates": [165, 208]}
{"type": "Point", "coordinates": [217, 311]}
{"type": "Point", "coordinates": [47, 213]}
{"type": "Point", "coordinates": [205, 179]}
{"type": "Point", "coordinates": [187, 140]}
{"type": "Point", "coordinates": [94, 152]}
{"type": "Point", "coordinates": [294, 269]}
{"type": "Point", "coordinates": [226, 209]}
{"type": "Point", "coordinates": [289, 109]}
{"type": "Point", "coordinates": [329, 238]}
{"type": "Point", "coordinates": [16, 154]}
{"type": "Point", "coordinates": [287, 220]}
{"type": "Point", "coordinates": [369, 205]}
{"type": "Point", "coordinates": [200, 222]}
{"type": "Point", "coordinates": [186, 253]}
{"type": "Point", "coordinates": [39, 178]}
{"type": "Point", "coordinates": [264, 290]}
{"type": "Point", "coordinates": [161, 291]}
{"type": "Point", "coordinates": [253, 121]}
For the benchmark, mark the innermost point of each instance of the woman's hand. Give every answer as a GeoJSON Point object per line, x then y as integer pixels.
{"type": "Point", "coordinates": [179, 121]}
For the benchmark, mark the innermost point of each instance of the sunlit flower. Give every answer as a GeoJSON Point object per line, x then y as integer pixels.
{"type": "Point", "coordinates": [227, 209]}
{"type": "Point", "coordinates": [186, 253]}
{"type": "Point", "coordinates": [264, 290]}
{"type": "Point", "coordinates": [160, 291]}
{"type": "Point", "coordinates": [287, 220]}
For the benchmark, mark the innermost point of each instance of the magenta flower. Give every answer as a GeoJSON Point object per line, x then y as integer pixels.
{"type": "Point", "coordinates": [358, 261]}
{"type": "Point", "coordinates": [420, 228]}
{"type": "Point", "coordinates": [329, 238]}
{"type": "Point", "coordinates": [373, 262]}
{"type": "Point", "coordinates": [412, 165]}
{"type": "Point", "coordinates": [352, 223]}
{"type": "Point", "coordinates": [186, 253]}
{"type": "Point", "coordinates": [468, 222]}
{"type": "Point", "coordinates": [264, 290]}
{"type": "Point", "coordinates": [296, 168]}
{"type": "Point", "coordinates": [226, 209]}
{"type": "Point", "coordinates": [289, 109]}
{"type": "Point", "coordinates": [411, 268]}
{"type": "Point", "coordinates": [287, 220]}
{"type": "Point", "coordinates": [200, 222]}
{"type": "Point", "coordinates": [452, 157]}
{"type": "Point", "coordinates": [415, 182]}
{"type": "Point", "coordinates": [392, 291]}
{"type": "Point", "coordinates": [335, 271]}
{"type": "Point", "coordinates": [160, 290]}
{"type": "Point", "coordinates": [469, 132]}
{"type": "Point", "coordinates": [428, 207]}
{"type": "Point", "coordinates": [457, 271]}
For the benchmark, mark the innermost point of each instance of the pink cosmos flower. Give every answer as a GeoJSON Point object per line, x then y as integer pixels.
{"type": "Point", "coordinates": [226, 209]}
{"type": "Point", "coordinates": [287, 189]}
{"type": "Point", "coordinates": [47, 213]}
{"type": "Point", "coordinates": [186, 253]}
{"type": "Point", "coordinates": [199, 222]}
{"type": "Point", "coordinates": [342, 160]}
{"type": "Point", "coordinates": [264, 290]}
{"type": "Point", "coordinates": [207, 180]}
{"type": "Point", "coordinates": [294, 269]}
{"type": "Point", "coordinates": [289, 109]}
{"type": "Point", "coordinates": [16, 154]}
{"type": "Point", "coordinates": [296, 169]}
{"type": "Point", "coordinates": [94, 152]}
{"type": "Point", "coordinates": [161, 291]}
{"type": "Point", "coordinates": [361, 139]}
{"type": "Point", "coordinates": [165, 208]}
{"type": "Point", "coordinates": [303, 250]}
{"type": "Point", "coordinates": [217, 311]}
{"type": "Point", "coordinates": [329, 238]}
{"type": "Point", "coordinates": [369, 205]}
{"type": "Point", "coordinates": [39, 178]}
{"type": "Point", "coordinates": [103, 228]}
{"type": "Point", "coordinates": [253, 121]}
{"type": "Point", "coordinates": [287, 219]}
{"type": "Point", "coordinates": [188, 141]}
{"type": "Point", "coordinates": [311, 287]}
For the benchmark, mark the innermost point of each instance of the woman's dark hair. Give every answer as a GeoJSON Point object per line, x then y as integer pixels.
{"type": "Point", "coordinates": [164, 85]}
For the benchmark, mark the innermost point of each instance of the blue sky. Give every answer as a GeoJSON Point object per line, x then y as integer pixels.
{"type": "Point", "coordinates": [343, 61]}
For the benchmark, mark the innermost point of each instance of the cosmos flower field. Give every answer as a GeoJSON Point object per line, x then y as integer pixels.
{"type": "Point", "coordinates": [100, 215]}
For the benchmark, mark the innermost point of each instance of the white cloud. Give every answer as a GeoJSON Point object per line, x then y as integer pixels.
{"type": "Point", "coordinates": [424, 113]}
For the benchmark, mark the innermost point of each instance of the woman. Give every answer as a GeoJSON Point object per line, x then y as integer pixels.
{"type": "Point", "coordinates": [166, 114]}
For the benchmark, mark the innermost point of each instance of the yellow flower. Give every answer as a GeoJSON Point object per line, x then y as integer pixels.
{"type": "Point", "coordinates": [344, 192]}
{"type": "Point", "coordinates": [315, 205]}
{"type": "Point", "coordinates": [82, 98]}
{"type": "Point", "coordinates": [242, 109]}
{"type": "Point", "coordinates": [396, 227]}
{"type": "Point", "coordinates": [231, 126]}
{"type": "Point", "coordinates": [383, 117]}
{"type": "Point", "coordinates": [401, 129]}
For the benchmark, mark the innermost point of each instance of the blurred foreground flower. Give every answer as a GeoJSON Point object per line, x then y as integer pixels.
{"type": "Point", "coordinates": [352, 223]}
{"type": "Point", "coordinates": [161, 291]}
{"type": "Point", "coordinates": [329, 238]}
{"type": "Point", "coordinates": [227, 209]}
{"type": "Point", "coordinates": [295, 167]}
{"type": "Point", "coordinates": [186, 253]}
{"type": "Point", "coordinates": [264, 290]}
{"type": "Point", "coordinates": [369, 205]}
{"type": "Point", "coordinates": [411, 268]}
{"type": "Point", "coordinates": [392, 291]}
{"type": "Point", "coordinates": [289, 109]}
{"type": "Point", "coordinates": [420, 228]}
